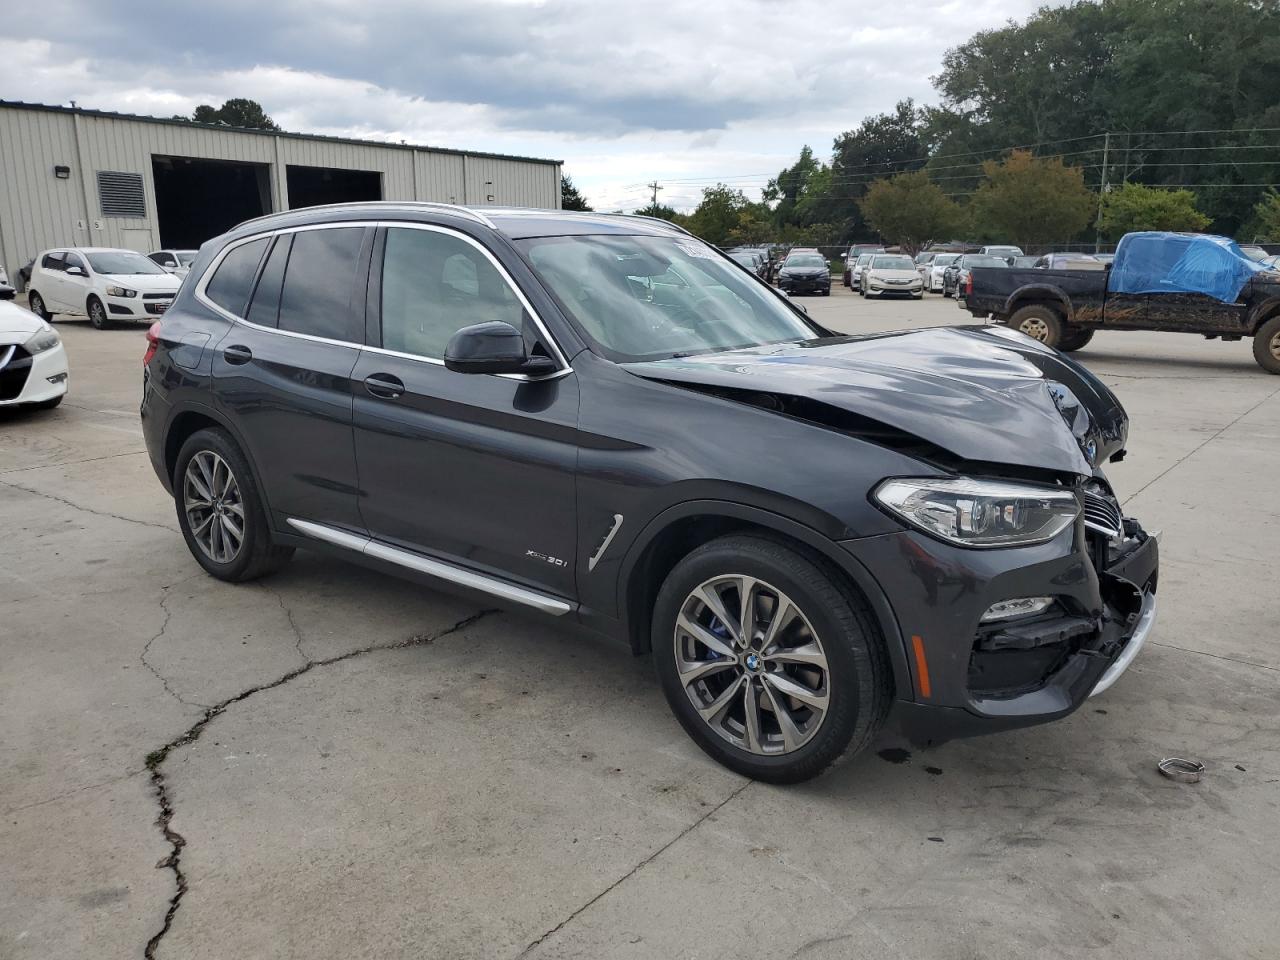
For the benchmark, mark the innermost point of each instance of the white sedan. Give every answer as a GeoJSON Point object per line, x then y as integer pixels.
{"type": "Point", "coordinates": [103, 284]}
{"type": "Point", "coordinates": [890, 273]}
{"type": "Point", "coordinates": [33, 363]}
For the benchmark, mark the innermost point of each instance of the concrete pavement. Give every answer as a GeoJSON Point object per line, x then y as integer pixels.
{"type": "Point", "coordinates": [358, 766]}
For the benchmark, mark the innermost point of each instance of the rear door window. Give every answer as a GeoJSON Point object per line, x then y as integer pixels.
{"type": "Point", "coordinates": [53, 261]}
{"type": "Point", "coordinates": [319, 297]}
{"type": "Point", "coordinates": [230, 285]}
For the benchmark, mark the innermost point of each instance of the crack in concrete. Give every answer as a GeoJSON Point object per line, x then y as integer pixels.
{"type": "Point", "coordinates": [71, 793]}
{"type": "Point", "coordinates": [76, 506]}
{"type": "Point", "coordinates": [164, 681]}
{"type": "Point", "coordinates": [1215, 656]}
{"type": "Point", "coordinates": [71, 463]}
{"type": "Point", "coordinates": [733, 795]}
{"type": "Point", "coordinates": [156, 759]}
{"type": "Point", "coordinates": [293, 624]}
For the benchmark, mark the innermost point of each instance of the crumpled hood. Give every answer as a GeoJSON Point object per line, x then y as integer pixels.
{"type": "Point", "coordinates": [983, 393]}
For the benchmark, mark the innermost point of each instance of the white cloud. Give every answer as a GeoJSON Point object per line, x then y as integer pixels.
{"type": "Point", "coordinates": [686, 93]}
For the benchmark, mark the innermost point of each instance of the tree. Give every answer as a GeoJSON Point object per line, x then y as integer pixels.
{"type": "Point", "coordinates": [1136, 207]}
{"type": "Point", "coordinates": [723, 216]}
{"type": "Point", "coordinates": [235, 113]}
{"type": "Point", "coordinates": [909, 210]}
{"type": "Point", "coordinates": [658, 210]}
{"type": "Point", "coordinates": [1032, 201]}
{"type": "Point", "coordinates": [570, 198]}
{"type": "Point", "coordinates": [1266, 218]}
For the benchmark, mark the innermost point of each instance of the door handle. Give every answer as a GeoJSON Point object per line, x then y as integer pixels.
{"type": "Point", "coordinates": [384, 385]}
{"type": "Point", "coordinates": [237, 354]}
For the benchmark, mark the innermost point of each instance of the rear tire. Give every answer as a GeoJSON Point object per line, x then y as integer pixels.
{"type": "Point", "coordinates": [842, 660]}
{"type": "Point", "coordinates": [236, 499]}
{"type": "Point", "coordinates": [36, 303]}
{"type": "Point", "coordinates": [97, 314]}
{"type": "Point", "coordinates": [1039, 322]}
{"type": "Point", "coordinates": [1075, 339]}
{"type": "Point", "coordinates": [1266, 345]}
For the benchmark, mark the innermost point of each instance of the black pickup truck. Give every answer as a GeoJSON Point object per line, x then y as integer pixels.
{"type": "Point", "coordinates": [1186, 283]}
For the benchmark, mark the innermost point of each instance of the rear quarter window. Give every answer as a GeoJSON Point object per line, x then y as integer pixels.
{"type": "Point", "coordinates": [230, 284]}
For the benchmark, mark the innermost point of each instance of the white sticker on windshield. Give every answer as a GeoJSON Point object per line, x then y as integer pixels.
{"type": "Point", "coordinates": [695, 250]}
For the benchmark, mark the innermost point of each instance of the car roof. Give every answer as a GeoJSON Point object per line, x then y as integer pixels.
{"type": "Point", "coordinates": [515, 222]}
{"type": "Point", "coordinates": [89, 250]}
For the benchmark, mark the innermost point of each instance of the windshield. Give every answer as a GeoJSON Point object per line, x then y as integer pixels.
{"type": "Point", "coordinates": [651, 298]}
{"type": "Point", "coordinates": [942, 259]}
{"type": "Point", "coordinates": [120, 261]}
{"type": "Point", "coordinates": [892, 263]}
{"type": "Point", "coordinates": [805, 260]}
{"type": "Point", "coordinates": [984, 261]}
{"type": "Point", "coordinates": [185, 257]}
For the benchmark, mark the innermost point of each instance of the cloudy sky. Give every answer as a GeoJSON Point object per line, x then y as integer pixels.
{"type": "Point", "coordinates": [687, 93]}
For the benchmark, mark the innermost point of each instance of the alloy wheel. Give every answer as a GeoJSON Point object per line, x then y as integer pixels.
{"type": "Point", "coordinates": [97, 314]}
{"type": "Point", "coordinates": [214, 508]}
{"type": "Point", "coordinates": [1275, 346]}
{"type": "Point", "coordinates": [1035, 327]}
{"type": "Point", "coordinates": [752, 665]}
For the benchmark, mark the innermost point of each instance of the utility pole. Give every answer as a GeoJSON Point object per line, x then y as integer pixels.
{"type": "Point", "coordinates": [655, 188]}
{"type": "Point", "coordinates": [1102, 193]}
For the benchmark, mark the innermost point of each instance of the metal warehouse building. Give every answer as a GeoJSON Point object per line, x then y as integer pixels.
{"type": "Point", "coordinates": [73, 177]}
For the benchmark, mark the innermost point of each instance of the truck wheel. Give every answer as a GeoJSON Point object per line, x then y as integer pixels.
{"type": "Point", "coordinates": [1266, 345]}
{"type": "Point", "coordinates": [1040, 323]}
{"type": "Point", "coordinates": [1075, 339]}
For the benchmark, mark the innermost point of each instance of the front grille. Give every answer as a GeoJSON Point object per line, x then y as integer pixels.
{"type": "Point", "coordinates": [157, 296]}
{"type": "Point", "coordinates": [15, 365]}
{"type": "Point", "coordinates": [1103, 514]}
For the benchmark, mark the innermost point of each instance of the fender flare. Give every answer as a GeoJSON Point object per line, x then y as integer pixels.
{"type": "Point", "coordinates": [1262, 312]}
{"type": "Point", "coordinates": [1037, 293]}
{"type": "Point", "coordinates": [850, 566]}
{"type": "Point", "coordinates": [212, 413]}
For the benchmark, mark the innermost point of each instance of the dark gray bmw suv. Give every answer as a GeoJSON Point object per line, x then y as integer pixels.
{"type": "Point", "coordinates": [604, 419]}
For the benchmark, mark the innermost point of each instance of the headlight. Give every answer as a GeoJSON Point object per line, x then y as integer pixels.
{"type": "Point", "coordinates": [42, 340]}
{"type": "Point", "coordinates": [121, 292]}
{"type": "Point", "coordinates": [980, 513]}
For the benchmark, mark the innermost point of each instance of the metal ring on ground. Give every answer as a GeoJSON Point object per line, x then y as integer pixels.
{"type": "Point", "coordinates": [1184, 771]}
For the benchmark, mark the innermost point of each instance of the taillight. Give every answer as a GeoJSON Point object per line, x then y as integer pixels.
{"type": "Point", "coordinates": [968, 285]}
{"type": "Point", "coordinates": [153, 341]}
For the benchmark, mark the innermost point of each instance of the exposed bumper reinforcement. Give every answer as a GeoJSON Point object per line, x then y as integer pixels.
{"type": "Point", "coordinates": [1146, 620]}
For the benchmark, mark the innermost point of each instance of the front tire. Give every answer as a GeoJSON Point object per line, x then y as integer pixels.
{"type": "Point", "coordinates": [220, 510]}
{"type": "Point", "coordinates": [97, 314]}
{"type": "Point", "coordinates": [804, 682]}
{"type": "Point", "coordinates": [1039, 322]}
{"type": "Point", "coordinates": [1266, 345]}
{"type": "Point", "coordinates": [1075, 339]}
{"type": "Point", "coordinates": [36, 303]}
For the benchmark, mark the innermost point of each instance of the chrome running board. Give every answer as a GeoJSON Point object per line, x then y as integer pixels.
{"type": "Point", "coordinates": [434, 568]}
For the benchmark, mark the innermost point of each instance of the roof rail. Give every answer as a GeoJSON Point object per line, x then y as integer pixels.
{"type": "Point", "coordinates": [668, 223]}
{"type": "Point", "coordinates": [467, 212]}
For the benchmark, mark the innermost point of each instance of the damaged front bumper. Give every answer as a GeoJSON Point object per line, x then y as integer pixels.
{"type": "Point", "coordinates": [969, 677]}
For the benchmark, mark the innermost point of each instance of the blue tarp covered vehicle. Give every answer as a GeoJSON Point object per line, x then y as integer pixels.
{"type": "Point", "coordinates": [1158, 262]}
{"type": "Point", "coordinates": [1178, 282]}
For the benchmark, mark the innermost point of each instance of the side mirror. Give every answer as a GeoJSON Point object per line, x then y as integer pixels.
{"type": "Point", "coordinates": [493, 347]}
{"type": "Point", "coordinates": [75, 272]}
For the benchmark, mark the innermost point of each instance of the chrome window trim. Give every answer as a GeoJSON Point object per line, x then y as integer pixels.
{"type": "Point", "coordinates": [200, 294]}
{"type": "Point", "coordinates": [449, 572]}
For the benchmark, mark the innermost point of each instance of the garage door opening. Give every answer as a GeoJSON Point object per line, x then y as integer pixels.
{"type": "Point", "coordinates": [310, 186]}
{"type": "Point", "coordinates": [199, 199]}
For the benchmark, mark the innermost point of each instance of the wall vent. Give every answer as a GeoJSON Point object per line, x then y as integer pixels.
{"type": "Point", "coordinates": [121, 194]}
